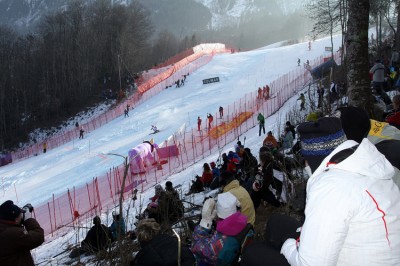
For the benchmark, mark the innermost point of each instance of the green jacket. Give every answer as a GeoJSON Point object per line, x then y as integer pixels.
{"type": "Point", "coordinates": [261, 119]}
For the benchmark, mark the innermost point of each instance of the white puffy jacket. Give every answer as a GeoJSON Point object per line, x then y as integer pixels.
{"type": "Point", "coordinates": [352, 213]}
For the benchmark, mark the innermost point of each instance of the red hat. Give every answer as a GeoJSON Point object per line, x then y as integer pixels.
{"type": "Point", "coordinates": [212, 164]}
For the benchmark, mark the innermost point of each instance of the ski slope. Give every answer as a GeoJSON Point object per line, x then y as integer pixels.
{"type": "Point", "coordinates": [74, 164]}
{"type": "Point", "coordinates": [35, 179]}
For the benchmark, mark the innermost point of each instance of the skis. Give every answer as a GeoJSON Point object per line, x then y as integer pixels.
{"type": "Point", "coordinates": [155, 132]}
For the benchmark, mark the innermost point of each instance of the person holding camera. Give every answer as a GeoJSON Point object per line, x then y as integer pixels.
{"type": "Point", "coordinates": [19, 233]}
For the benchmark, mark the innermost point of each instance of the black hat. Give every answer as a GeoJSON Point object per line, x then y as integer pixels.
{"type": "Point", "coordinates": [96, 220]}
{"type": "Point", "coordinates": [355, 122]}
{"type": "Point", "coordinates": [226, 177]}
{"type": "Point", "coordinates": [319, 139]}
{"type": "Point", "coordinates": [168, 184]}
{"type": "Point", "coordinates": [9, 211]}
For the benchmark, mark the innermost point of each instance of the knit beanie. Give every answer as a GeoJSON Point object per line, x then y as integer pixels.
{"type": "Point", "coordinates": [9, 211]}
{"type": "Point", "coordinates": [226, 205]}
{"type": "Point", "coordinates": [355, 122]}
{"type": "Point", "coordinates": [319, 139]}
{"type": "Point", "coordinates": [313, 116]}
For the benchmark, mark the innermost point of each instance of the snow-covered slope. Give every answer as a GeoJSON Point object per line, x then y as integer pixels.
{"type": "Point", "coordinates": [239, 73]}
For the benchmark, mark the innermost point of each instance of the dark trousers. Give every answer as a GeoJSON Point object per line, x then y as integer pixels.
{"type": "Point", "coordinates": [262, 126]}
{"type": "Point", "coordinates": [266, 195]}
{"type": "Point", "coordinates": [378, 86]}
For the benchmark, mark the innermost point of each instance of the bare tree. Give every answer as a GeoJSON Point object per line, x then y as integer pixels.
{"type": "Point", "coordinates": [329, 17]}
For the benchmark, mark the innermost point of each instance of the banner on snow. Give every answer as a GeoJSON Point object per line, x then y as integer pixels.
{"type": "Point", "coordinates": [211, 80]}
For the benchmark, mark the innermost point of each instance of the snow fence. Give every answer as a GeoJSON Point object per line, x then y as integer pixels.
{"type": "Point", "coordinates": [181, 150]}
{"type": "Point", "coordinates": [201, 55]}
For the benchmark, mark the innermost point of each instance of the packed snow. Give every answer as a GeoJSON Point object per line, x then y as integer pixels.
{"type": "Point", "coordinates": [76, 163]}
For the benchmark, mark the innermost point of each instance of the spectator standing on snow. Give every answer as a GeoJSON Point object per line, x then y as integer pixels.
{"type": "Point", "coordinates": [210, 120]}
{"type": "Point", "coordinates": [267, 90]}
{"type": "Point", "coordinates": [261, 123]}
{"type": "Point", "coordinates": [378, 80]}
{"type": "Point", "coordinates": [302, 101]}
{"type": "Point", "coordinates": [198, 123]}
{"type": "Point", "coordinates": [298, 62]}
{"type": "Point", "coordinates": [287, 139]}
{"type": "Point", "coordinates": [127, 111]}
{"type": "Point", "coordinates": [221, 112]}
{"type": "Point", "coordinates": [81, 131]}
{"type": "Point", "coordinates": [19, 233]}
{"type": "Point", "coordinates": [260, 93]}
{"type": "Point", "coordinates": [44, 147]}
{"type": "Point", "coordinates": [291, 128]}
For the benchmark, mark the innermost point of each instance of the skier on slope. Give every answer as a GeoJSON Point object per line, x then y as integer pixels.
{"type": "Point", "coordinates": [154, 128]}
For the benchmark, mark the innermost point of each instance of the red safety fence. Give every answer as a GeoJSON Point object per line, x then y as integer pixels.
{"type": "Point", "coordinates": [175, 58]}
{"type": "Point", "coordinates": [181, 150]}
{"type": "Point", "coordinates": [145, 90]}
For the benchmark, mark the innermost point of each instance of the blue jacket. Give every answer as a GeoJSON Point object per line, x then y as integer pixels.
{"type": "Point", "coordinates": [113, 229]}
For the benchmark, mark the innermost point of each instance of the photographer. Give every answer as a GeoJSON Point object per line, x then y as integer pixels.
{"type": "Point", "coordinates": [19, 233]}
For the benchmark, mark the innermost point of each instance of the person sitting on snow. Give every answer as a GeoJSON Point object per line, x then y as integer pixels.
{"type": "Point", "coordinates": [97, 239]}
{"type": "Point", "coordinates": [117, 228]}
{"type": "Point", "coordinates": [158, 248]}
{"type": "Point", "coordinates": [165, 207]}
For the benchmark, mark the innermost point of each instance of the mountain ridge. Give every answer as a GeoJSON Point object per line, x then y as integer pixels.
{"type": "Point", "coordinates": [24, 15]}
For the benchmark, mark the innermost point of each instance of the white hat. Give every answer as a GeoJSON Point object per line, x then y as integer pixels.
{"type": "Point", "coordinates": [226, 205]}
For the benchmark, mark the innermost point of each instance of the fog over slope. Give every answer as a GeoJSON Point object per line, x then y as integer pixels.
{"type": "Point", "coordinates": [211, 20]}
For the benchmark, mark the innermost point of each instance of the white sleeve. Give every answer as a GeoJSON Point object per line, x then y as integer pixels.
{"type": "Point", "coordinates": [328, 212]}
{"type": "Point", "coordinates": [290, 251]}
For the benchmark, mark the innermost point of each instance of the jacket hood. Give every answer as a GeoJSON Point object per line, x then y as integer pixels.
{"type": "Point", "coordinates": [232, 225]}
{"type": "Point", "coordinates": [231, 185]}
{"type": "Point", "coordinates": [377, 167]}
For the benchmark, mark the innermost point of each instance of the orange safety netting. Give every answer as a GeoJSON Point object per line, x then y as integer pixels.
{"type": "Point", "coordinates": [184, 148]}
{"type": "Point", "coordinates": [223, 128]}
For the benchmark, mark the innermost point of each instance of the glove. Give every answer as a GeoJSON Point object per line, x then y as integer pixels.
{"type": "Point", "coordinates": [28, 209]}
{"type": "Point", "coordinates": [208, 213]}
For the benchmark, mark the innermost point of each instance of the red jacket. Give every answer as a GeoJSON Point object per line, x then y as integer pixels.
{"type": "Point", "coordinates": [394, 119]}
{"type": "Point", "coordinates": [206, 177]}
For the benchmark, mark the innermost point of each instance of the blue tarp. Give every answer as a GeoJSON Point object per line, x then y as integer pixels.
{"type": "Point", "coordinates": [5, 158]}
{"type": "Point", "coordinates": [323, 69]}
